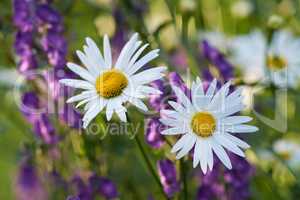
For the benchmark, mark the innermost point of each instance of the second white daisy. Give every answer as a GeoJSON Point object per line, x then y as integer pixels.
{"type": "Point", "coordinates": [111, 85]}
{"type": "Point", "coordinates": [206, 123]}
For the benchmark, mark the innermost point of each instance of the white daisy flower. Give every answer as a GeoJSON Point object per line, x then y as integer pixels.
{"type": "Point", "coordinates": [206, 123]}
{"type": "Point", "coordinates": [110, 85]}
{"type": "Point", "coordinates": [278, 61]}
{"type": "Point", "coordinates": [289, 151]}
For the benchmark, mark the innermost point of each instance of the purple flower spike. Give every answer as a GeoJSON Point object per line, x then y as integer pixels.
{"type": "Point", "coordinates": [45, 130]}
{"type": "Point", "coordinates": [215, 57]}
{"type": "Point", "coordinates": [167, 173]}
{"type": "Point", "coordinates": [103, 186]}
{"type": "Point", "coordinates": [175, 80]}
{"type": "Point", "coordinates": [30, 105]}
{"type": "Point", "coordinates": [23, 16]}
{"type": "Point", "coordinates": [70, 117]}
{"type": "Point", "coordinates": [157, 100]}
{"type": "Point", "coordinates": [73, 198]}
{"type": "Point", "coordinates": [153, 136]}
{"type": "Point", "coordinates": [28, 184]}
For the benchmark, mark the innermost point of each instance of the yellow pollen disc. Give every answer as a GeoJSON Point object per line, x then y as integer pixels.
{"type": "Point", "coordinates": [111, 83]}
{"type": "Point", "coordinates": [275, 62]}
{"type": "Point", "coordinates": [203, 124]}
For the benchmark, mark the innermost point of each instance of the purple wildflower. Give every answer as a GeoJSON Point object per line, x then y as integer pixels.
{"type": "Point", "coordinates": [218, 60]}
{"type": "Point", "coordinates": [168, 178]}
{"type": "Point", "coordinates": [23, 16]}
{"type": "Point", "coordinates": [175, 80]}
{"type": "Point", "coordinates": [153, 136]}
{"type": "Point", "coordinates": [28, 184]}
{"type": "Point", "coordinates": [45, 130]}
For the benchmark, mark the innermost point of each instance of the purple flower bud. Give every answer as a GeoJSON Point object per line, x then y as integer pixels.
{"type": "Point", "coordinates": [55, 46]}
{"type": "Point", "coordinates": [73, 198]}
{"type": "Point", "coordinates": [175, 80]}
{"type": "Point", "coordinates": [28, 184]}
{"type": "Point", "coordinates": [70, 116]}
{"type": "Point", "coordinates": [30, 105]}
{"type": "Point", "coordinates": [47, 15]}
{"type": "Point", "coordinates": [153, 136]}
{"type": "Point", "coordinates": [213, 191]}
{"type": "Point", "coordinates": [215, 57]}
{"type": "Point", "coordinates": [167, 173]}
{"type": "Point", "coordinates": [103, 186]}
{"type": "Point", "coordinates": [23, 17]}
{"type": "Point", "coordinates": [45, 130]}
{"type": "Point", "coordinates": [157, 100]}
{"type": "Point", "coordinates": [23, 43]}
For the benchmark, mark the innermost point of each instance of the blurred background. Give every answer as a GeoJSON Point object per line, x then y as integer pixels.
{"type": "Point", "coordinates": [178, 28]}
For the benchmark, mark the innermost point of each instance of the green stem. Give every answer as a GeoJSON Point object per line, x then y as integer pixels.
{"type": "Point", "coordinates": [149, 165]}
{"type": "Point", "coordinates": [183, 179]}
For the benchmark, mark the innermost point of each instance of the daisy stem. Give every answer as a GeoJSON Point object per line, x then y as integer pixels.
{"type": "Point", "coordinates": [149, 165]}
{"type": "Point", "coordinates": [183, 179]}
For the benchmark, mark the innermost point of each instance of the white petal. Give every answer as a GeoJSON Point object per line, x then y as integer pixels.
{"type": "Point", "coordinates": [222, 155]}
{"type": "Point", "coordinates": [125, 52]}
{"type": "Point", "coordinates": [202, 149]}
{"type": "Point", "coordinates": [180, 143]}
{"type": "Point", "coordinates": [218, 101]}
{"type": "Point", "coordinates": [96, 52]}
{"type": "Point", "coordinates": [75, 83]}
{"type": "Point", "coordinates": [107, 52]}
{"type": "Point", "coordinates": [182, 98]}
{"type": "Point", "coordinates": [81, 72]}
{"type": "Point", "coordinates": [210, 158]}
{"type": "Point", "coordinates": [211, 89]}
{"type": "Point", "coordinates": [242, 129]}
{"type": "Point", "coordinates": [149, 90]}
{"type": "Point", "coordinates": [197, 153]}
{"type": "Point", "coordinates": [121, 112]}
{"type": "Point", "coordinates": [138, 103]}
{"type": "Point", "coordinates": [86, 62]}
{"type": "Point", "coordinates": [86, 101]}
{"type": "Point", "coordinates": [189, 143]}
{"type": "Point", "coordinates": [144, 60]}
{"type": "Point", "coordinates": [178, 107]}
{"type": "Point", "coordinates": [81, 96]}
{"type": "Point", "coordinates": [237, 141]}
{"type": "Point", "coordinates": [92, 113]}
{"type": "Point", "coordinates": [148, 75]}
{"type": "Point", "coordinates": [169, 122]}
{"type": "Point", "coordinates": [135, 57]}
{"type": "Point", "coordinates": [223, 141]}
{"type": "Point", "coordinates": [197, 93]}
{"type": "Point", "coordinates": [232, 120]}
{"type": "Point", "coordinates": [174, 131]}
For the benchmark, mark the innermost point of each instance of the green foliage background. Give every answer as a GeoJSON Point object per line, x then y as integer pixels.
{"type": "Point", "coordinates": [168, 25]}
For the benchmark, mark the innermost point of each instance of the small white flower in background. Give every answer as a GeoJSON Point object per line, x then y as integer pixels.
{"type": "Point", "coordinates": [206, 122]}
{"type": "Point", "coordinates": [289, 151]}
{"type": "Point", "coordinates": [242, 8]}
{"type": "Point", "coordinates": [111, 85]}
{"type": "Point", "coordinates": [278, 62]}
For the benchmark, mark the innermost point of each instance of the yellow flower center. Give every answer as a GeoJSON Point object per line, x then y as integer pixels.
{"type": "Point", "coordinates": [275, 62]}
{"type": "Point", "coordinates": [111, 83]}
{"type": "Point", "coordinates": [203, 124]}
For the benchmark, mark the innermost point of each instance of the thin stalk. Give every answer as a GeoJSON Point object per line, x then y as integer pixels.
{"type": "Point", "coordinates": [183, 179]}
{"type": "Point", "coordinates": [148, 163]}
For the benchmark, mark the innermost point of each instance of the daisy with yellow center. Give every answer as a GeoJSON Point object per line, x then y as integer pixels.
{"type": "Point", "coordinates": [108, 85]}
{"type": "Point", "coordinates": [206, 122]}
{"type": "Point", "coordinates": [277, 62]}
